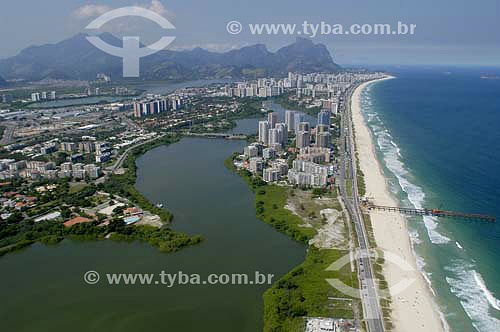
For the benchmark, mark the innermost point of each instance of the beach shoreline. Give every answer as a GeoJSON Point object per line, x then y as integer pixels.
{"type": "Point", "coordinates": [414, 308]}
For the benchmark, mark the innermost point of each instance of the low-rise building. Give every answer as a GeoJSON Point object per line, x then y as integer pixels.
{"type": "Point", "coordinates": [77, 220]}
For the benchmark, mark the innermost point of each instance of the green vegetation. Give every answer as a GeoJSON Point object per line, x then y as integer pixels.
{"type": "Point", "coordinates": [295, 106]}
{"type": "Point", "coordinates": [318, 192]}
{"type": "Point", "coordinates": [77, 187]}
{"type": "Point", "coordinates": [369, 230]}
{"type": "Point", "coordinates": [304, 291]}
{"type": "Point", "coordinates": [165, 239]}
{"type": "Point", "coordinates": [308, 208]}
{"type": "Point", "coordinates": [17, 236]}
{"type": "Point", "coordinates": [360, 177]}
{"type": "Point", "coordinates": [361, 183]}
{"type": "Point", "coordinates": [348, 187]}
{"type": "Point", "coordinates": [250, 107]}
{"type": "Point", "coordinates": [270, 201]}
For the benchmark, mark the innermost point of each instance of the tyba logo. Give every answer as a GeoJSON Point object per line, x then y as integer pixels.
{"type": "Point", "coordinates": [131, 51]}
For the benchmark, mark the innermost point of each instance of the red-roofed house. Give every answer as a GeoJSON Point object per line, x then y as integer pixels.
{"type": "Point", "coordinates": [77, 220]}
{"type": "Point", "coordinates": [20, 205]}
{"type": "Point", "coordinates": [132, 211]}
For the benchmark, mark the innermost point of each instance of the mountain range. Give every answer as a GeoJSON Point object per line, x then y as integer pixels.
{"type": "Point", "coordinates": [77, 58]}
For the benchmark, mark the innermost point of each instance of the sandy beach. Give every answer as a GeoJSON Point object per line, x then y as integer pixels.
{"type": "Point", "coordinates": [413, 309]}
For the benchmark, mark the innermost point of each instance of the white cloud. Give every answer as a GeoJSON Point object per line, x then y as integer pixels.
{"type": "Point", "coordinates": [91, 11]}
{"type": "Point", "coordinates": [157, 7]}
{"type": "Point", "coordinates": [97, 10]}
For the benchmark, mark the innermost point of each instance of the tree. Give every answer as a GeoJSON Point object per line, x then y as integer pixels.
{"type": "Point", "coordinates": [65, 212]}
{"type": "Point", "coordinates": [15, 217]}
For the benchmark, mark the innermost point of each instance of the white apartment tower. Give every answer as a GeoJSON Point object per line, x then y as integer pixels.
{"type": "Point", "coordinates": [272, 118]}
{"type": "Point", "coordinates": [264, 132]}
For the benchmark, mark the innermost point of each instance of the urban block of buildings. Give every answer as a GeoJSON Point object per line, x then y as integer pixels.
{"type": "Point", "coordinates": [311, 166]}
{"type": "Point", "coordinates": [156, 105]}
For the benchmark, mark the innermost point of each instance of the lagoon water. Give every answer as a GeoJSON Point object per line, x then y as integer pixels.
{"type": "Point", "coordinates": [75, 101]}
{"type": "Point", "coordinates": [437, 134]}
{"type": "Point", "coordinates": [42, 287]}
{"type": "Point", "coordinates": [149, 88]}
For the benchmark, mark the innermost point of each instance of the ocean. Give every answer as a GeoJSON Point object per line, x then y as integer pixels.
{"type": "Point", "coordinates": [437, 137]}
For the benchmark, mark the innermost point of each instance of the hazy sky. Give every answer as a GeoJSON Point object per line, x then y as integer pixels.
{"type": "Point", "coordinates": [447, 32]}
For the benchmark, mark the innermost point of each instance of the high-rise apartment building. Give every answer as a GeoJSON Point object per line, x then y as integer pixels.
{"type": "Point", "coordinates": [264, 132]}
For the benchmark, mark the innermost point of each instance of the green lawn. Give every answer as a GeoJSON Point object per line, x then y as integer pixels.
{"type": "Point", "coordinates": [77, 187]}
{"type": "Point", "coordinates": [348, 187]}
{"type": "Point", "coordinates": [270, 201]}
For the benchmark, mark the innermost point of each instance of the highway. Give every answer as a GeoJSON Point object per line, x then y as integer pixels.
{"type": "Point", "coordinates": [124, 155]}
{"type": "Point", "coordinates": [119, 162]}
{"type": "Point", "coordinates": [372, 312]}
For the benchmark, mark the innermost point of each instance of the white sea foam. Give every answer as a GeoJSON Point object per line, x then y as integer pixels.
{"type": "Point", "coordinates": [434, 235]}
{"type": "Point", "coordinates": [495, 303]}
{"type": "Point", "coordinates": [392, 158]}
{"type": "Point", "coordinates": [398, 150]}
{"type": "Point", "coordinates": [414, 237]}
{"type": "Point", "coordinates": [476, 299]}
{"type": "Point", "coordinates": [445, 323]}
{"type": "Point", "coordinates": [427, 278]}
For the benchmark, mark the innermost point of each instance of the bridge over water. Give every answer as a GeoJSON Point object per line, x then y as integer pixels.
{"type": "Point", "coordinates": [216, 135]}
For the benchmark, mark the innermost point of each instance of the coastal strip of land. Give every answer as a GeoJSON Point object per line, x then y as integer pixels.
{"type": "Point", "coordinates": [413, 310]}
{"type": "Point", "coordinates": [315, 218]}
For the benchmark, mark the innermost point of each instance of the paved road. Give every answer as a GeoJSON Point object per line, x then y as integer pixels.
{"type": "Point", "coordinates": [122, 158]}
{"type": "Point", "coordinates": [372, 312]}
{"type": "Point", "coordinates": [8, 133]}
